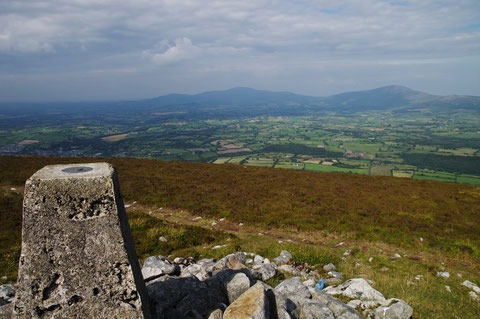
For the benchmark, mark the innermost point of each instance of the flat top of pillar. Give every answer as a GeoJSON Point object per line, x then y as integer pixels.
{"type": "Point", "coordinates": [84, 170]}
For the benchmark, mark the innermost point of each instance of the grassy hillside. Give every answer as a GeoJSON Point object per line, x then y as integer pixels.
{"type": "Point", "coordinates": [432, 224]}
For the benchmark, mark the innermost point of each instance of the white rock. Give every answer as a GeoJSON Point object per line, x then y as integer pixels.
{"type": "Point", "coordinates": [214, 223]}
{"type": "Point", "coordinates": [357, 288]}
{"type": "Point", "coordinates": [421, 239]}
{"type": "Point", "coordinates": [448, 288]}
{"type": "Point", "coordinates": [309, 283]}
{"type": "Point", "coordinates": [162, 239]}
{"type": "Point", "coordinates": [196, 218]}
{"type": "Point", "coordinates": [347, 252]}
{"type": "Point", "coordinates": [473, 295]}
{"type": "Point", "coordinates": [397, 256]}
{"type": "Point", "coordinates": [418, 277]}
{"type": "Point", "coordinates": [258, 259]}
{"type": "Point", "coordinates": [240, 224]}
{"type": "Point", "coordinates": [13, 189]}
{"type": "Point", "coordinates": [221, 219]}
{"type": "Point", "coordinates": [127, 206]}
{"type": "Point", "coordinates": [370, 259]}
{"type": "Point", "coordinates": [329, 267]}
{"type": "Point", "coordinates": [218, 246]}
{"type": "Point", "coordinates": [470, 285]}
{"type": "Point", "coordinates": [443, 274]}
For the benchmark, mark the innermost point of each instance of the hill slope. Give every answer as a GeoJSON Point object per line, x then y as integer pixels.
{"type": "Point", "coordinates": [357, 222]}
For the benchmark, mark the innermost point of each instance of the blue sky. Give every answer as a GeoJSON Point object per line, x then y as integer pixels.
{"type": "Point", "coordinates": [107, 49]}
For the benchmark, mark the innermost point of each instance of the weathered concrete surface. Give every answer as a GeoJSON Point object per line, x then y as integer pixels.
{"type": "Point", "coordinates": [78, 259]}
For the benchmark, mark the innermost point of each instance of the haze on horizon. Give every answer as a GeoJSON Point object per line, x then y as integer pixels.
{"type": "Point", "coordinates": [110, 50]}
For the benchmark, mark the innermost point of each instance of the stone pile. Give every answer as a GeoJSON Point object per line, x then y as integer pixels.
{"type": "Point", "coordinates": [234, 287]}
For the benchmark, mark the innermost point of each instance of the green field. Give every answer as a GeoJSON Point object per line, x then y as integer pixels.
{"type": "Point", "coordinates": [387, 143]}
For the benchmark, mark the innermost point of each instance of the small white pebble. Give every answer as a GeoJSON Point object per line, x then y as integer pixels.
{"type": "Point", "coordinates": [134, 202]}
{"type": "Point", "coordinates": [214, 223]}
{"type": "Point", "coordinates": [126, 206]}
{"type": "Point", "coordinates": [421, 239]}
{"type": "Point", "coordinates": [163, 239]}
{"type": "Point", "coordinates": [221, 219]}
{"type": "Point", "coordinates": [473, 295]}
{"type": "Point", "coordinates": [240, 224]}
{"type": "Point", "coordinates": [418, 277]}
{"type": "Point", "coordinates": [448, 288]}
{"type": "Point", "coordinates": [280, 241]}
{"type": "Point", "coordinates": [370, 259]}
{"type": "Point", "coordinates": [13, 189]}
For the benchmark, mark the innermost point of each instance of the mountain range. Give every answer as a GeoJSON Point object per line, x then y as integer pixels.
{"type": "Point", "coordinates": [384, 98]}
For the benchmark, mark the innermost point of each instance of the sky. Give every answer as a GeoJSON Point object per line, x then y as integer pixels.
{"type": "Point", "coordinates": [74, 50]}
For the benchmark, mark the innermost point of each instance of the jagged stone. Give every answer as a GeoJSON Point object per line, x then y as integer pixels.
{"type": "Point", "coordinates": [393, 309]}
{"type": "Point", "coordinates": [7, 291]}
{"type": "Point", "coordinates": [284, 258]}
{"type": "Point", "coordinates": [314, 309]}
{"type": "Point", "coordinates": [258, 260]}
{"type": "Point", "coordinates": [237, 260]}
{"type": "Point", "coordinates": [236, 285]}
{"type": "Point", "coordinates": [289, 269]}
{"type": "Point", "coordinates": [78, 259]}
{"type": "Point", "coordinates": [294, 289]}
{"type": "Point", "coordinates": [202, 269]}
{"type": "Point", "coordinates": [340, 310]}
{"type": "Point", "coordinates": [154, 267]}
{"type": "Point", "coordinates": [267, 271]}
{"type": "Point", "coordinates": [357, 288]}
{"type": "Point", "coordinates": [216, 314]}
{"type": "Point", "coordinates": [252, 304]}
{"type": "Point", "coordinates": [470, 285]}
{"type": "Point", "coordinates": [329, 267]}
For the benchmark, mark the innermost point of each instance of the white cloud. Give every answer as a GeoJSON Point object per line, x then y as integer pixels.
{"type": "Point", "coordinates": [182, 50]}
{"type": "Point", "coordinates": [248, 38]}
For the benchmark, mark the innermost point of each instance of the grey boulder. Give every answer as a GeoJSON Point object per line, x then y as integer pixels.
{"type": "Point", "coordinates": [314, 309]}
{"type": "Point", "coordinates": [393, 309]}
{"type": "Point", "coordinates": [357, 288]}
{"type": "Point", "coordinates": [154, 267]}
{"type": "Point", "coordinates": [236, 285]}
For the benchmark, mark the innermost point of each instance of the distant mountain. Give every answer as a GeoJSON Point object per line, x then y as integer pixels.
{"type": "Point", "coordinates": [387, 97]}
{"type": "Point", "coordinates": [240, 96]}
{"type": "Point", "coordinates": [384, 98]}
{"type": "Point", "coordinates": [242, 101]}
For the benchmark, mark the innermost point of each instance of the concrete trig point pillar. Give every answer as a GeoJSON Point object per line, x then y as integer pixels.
{"type": "Point", "coordinates": [78, 259]}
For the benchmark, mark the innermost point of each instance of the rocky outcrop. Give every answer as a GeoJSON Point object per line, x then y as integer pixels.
{"type": "Point", "coordinates": [227, 288]}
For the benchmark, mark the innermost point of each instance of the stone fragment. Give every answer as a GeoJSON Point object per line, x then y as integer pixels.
{"type": "Point", "coordinates": [7, 291]}
{"type": "Point", "coordinates": [289, 269]}
{"type": "Point", "coordinates": [357, 288]}
{"type": "Point", "coordinates": [470, 285]}
{"type": "Point", "coordinates": [335, 274]}
{"type": "Point", "coordinates": [314, 309]}
{"type": "Point", "coordinates": [252, 304]}
{"type": "Point", "coordinates": [340, 310]}
{"type": "Point", "coordinates": [329, 267]}
{"type": "Point", "coordinates": [237, 260]}
{"type": "Point", "coordinates": [236, 285]}
{"type": "Point", "coordinates": [267, 271]}
{"type": "Point", "coordinates": [443, 274]}
{"type": "Point", "coordinates": [394, 309]}
{"type": "Point", "coordinates": [447, 288]}
{"type": "Point", "coordinates": [473, 295]}
{"type": "Point", "coordinates": [294, 289]}
{"type": "Point", "coordinates": [78, 259]}
{"type": "Point", "coordinates": [216, 314]}
{"type": "Point", "coordinates": [154, 267]}
{"type": "Point", "coordinates": [284, 258]}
